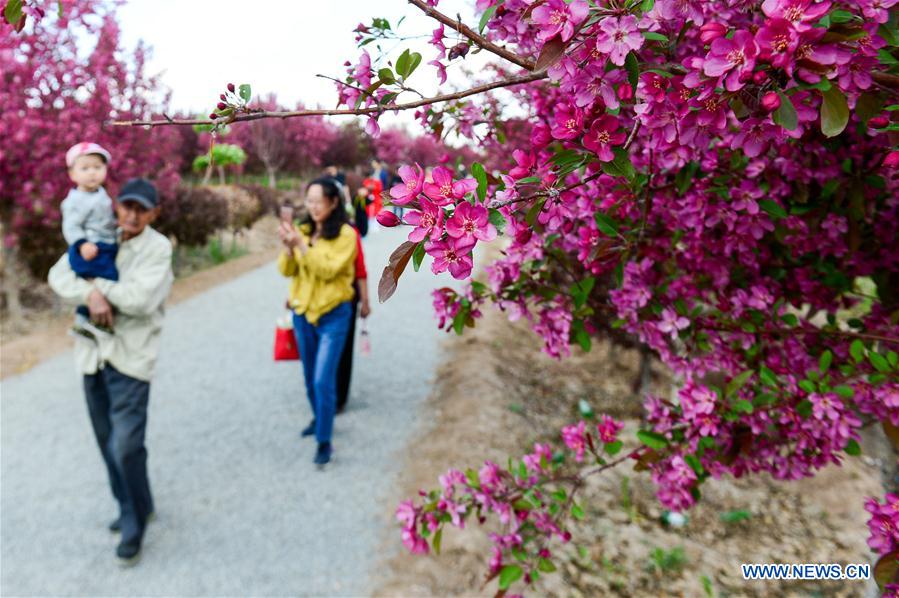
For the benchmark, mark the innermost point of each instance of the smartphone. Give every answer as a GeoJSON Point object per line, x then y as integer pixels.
{"type": "Point", "coordinates": [287, 214]}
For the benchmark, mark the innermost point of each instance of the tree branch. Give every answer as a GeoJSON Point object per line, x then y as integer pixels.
{"type": "Point", "coordinates": [261, 114]}
{"type": "Point", "coordinates": [478, 40]}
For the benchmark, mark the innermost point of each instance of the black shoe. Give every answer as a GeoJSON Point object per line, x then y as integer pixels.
{"type": "Point", "coordinates": [128, 552]}
{"type": "Point", "coordinates": [323, 454]}
{"type": "Point", "coordinates": [116, 526]}
{"type": "Point", "coordinates": [308, 430]}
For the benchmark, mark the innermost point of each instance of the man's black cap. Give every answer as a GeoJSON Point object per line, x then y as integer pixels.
{"type": "Point", "coordinates": [140, 190]}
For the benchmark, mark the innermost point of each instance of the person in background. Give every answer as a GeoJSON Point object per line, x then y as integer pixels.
{"type": "Point", "coordinates": [332, 172]}
{"type": "Point", "coordinates": [89, 225]}
{"type": "Point", "coordinates": [117, 369]}
{"type": "Point", "coordinates": [319, 258]}
{"type": "Point", "coordinates": [363, 307]}
{"type": "Point", "coordinates": [379, 171]}
{"type": "Point", "coordinates": [374, 201]}
{"type": "Point", "coordinates": [360, 210]}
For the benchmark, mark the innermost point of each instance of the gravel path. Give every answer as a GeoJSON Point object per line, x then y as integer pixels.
{"type": "Point", "coordinates": [241, 508]}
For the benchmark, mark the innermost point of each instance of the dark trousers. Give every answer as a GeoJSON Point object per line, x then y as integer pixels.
{"type": "Point", "coordinates": [117, 405]}
{"type": "Point", "coordinates": [345, 367]}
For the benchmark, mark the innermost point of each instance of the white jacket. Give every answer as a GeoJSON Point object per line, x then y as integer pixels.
{"type": "Point", "coordinates": [145, 279]}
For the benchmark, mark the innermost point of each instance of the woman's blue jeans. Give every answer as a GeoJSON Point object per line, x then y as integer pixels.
{"type": "Point", "coordinates": [320, 349]}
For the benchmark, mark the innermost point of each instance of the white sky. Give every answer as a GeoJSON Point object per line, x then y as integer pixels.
{"type": "Point", "coordinates": [275, 45]}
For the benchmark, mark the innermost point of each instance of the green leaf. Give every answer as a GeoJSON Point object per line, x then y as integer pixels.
{"type": "Point", "coordinates": [768, 377]}
{"type": "Point", "coordinates": [418, 255]}
{"type": "Point", "coordinates": [825, 361]}
{"type": "Point", "coordinates": [459, 321]}
{"type": "Point", "coordinates": [486, 17]}
{"type": "Point", "coordinates": [13, 12]}
{"type": "Point", "coordinates": [694, 462]}
{"type": "Point", "coordinates": [546, 566]}
{"type": "Point", "coordinates": [414, 61]}
{"type": "Point", "coordinates": [620, 166]}
{"type": "Point", "coordinates": [844, 391]}
{"type": "Point", "coordinates": [633, 69]}
{"type": "Point", "coordinates": [386, 76]}
{"type": "Point", "coordinates": [496, 219]}
{"type": "Point", "coordinates": [436, 542]}
{"type": "Point", "coordinates": [804, 408]}
{"type": "Point", "coordinates": [852, 448]}
{"type": "Point", "coordinates": [509, 575]}
{"type": "Point", "coordinates": [886, 569]}
{"type": "Point", "coordinates": [652, 439]}
{"type": "Point", "coordinates": [735, 516]}
{"type": "Point", "coordinates": [834, 112]}
{"type": "Point", "coordinates": [402, 63]}
{"type": "Point", "coordinates": [772, 208]}
{"type": "Point", "coordinates": [480, 175]}
{"type": "Point", "coordinates": [605, 224]}
{"type": "Point", "coordinates": [59, 9]}
{"type": "Point", "coordinates": [785, 115]}
{"type": "Point", "coordinates": [743, 406]}
{"type": "Point", "coordinates": [879, 362]}
{"type": "Point", "coordinates": [653, 36]}
{"type": "Point", "coordinates": [737, 382]}
{"type": "Point", "coordinates": [613, 448]}
{"type": "Point", "coordinates": [857, 350]}
{"type": "Point", "coordinates": [532, 213]}
{"type": "Point", "coordinates": [245, 92]}
{"type": "Point", "coordinates": [808, 386]}
{"type": "Point", "coordinates": [581, 290]}
{"type": "Point", "coordinates": [577, 512]}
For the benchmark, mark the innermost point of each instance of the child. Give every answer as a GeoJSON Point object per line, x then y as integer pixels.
{"type": "Point", "coordinates": [89, 225]}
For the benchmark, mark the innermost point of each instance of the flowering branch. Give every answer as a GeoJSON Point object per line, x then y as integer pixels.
{"type": "Point", "coordinates": [478, 40]}
{"type": "Point", "coordinates": [262, 114]}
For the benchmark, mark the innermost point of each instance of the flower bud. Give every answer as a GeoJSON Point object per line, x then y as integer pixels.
{"type": "Point", "coordinates": [892, 160]}
{"type": "Point", "coordinates": [222, 97]}
{"type": "Point", "coordinates": [221, 105]}
{"type": "Point", "coordinates": [771, 101]}
{"type": "Point", "coordinates": [759, 77]}
{"type": "Point", "coordinates": [213, 116]}
{"type": "Point", "coordinates": [387, 218]}
{"type": "Point", "coordinates": [711, 31]}
{"type": "Point", "coordinates": [625, 92]}
{"type": "Point", "coordinates": [231, 87]}
{"type": "Point", "coordinates": [460, 50]}
{"type": "Point", "coordinates": [878, 122]}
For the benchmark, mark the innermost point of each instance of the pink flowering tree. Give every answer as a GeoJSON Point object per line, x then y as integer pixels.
{"type": "Point", "coordinates": [708, 180]}
{"type": "Point", "coordinates": [54, 94]}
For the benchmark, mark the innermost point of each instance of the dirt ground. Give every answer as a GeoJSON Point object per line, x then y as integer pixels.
{"type": "Point", "coordinates": [496, 394]}
{"type": "Point", "coordinates": [47, 322]}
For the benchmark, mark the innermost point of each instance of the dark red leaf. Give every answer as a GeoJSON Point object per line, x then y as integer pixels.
{"type": "Point", "coordinates": [550, 54]}
{"type": "Point", "coordinates": [394, 269]}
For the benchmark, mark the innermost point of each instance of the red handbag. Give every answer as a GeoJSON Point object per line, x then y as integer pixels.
{"type": "Point", "coordinates": [285, 344]}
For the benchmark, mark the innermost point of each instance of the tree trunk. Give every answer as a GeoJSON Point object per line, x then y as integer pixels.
{"type": "Point", "coordinates": [221, 170]}
{"type": "Point", "coordinates": [12, 284]}
{"type": "Point", "coordinates": [208, 174]}
{"type": "Point", "coordinates": [272, 183]}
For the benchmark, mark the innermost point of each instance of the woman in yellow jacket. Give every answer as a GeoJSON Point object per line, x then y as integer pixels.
{"type": "Point", "coordinates": [318, 257]}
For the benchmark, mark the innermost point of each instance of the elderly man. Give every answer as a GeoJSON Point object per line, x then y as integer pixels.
{"type": "Point", "coordinates": [117, 368]}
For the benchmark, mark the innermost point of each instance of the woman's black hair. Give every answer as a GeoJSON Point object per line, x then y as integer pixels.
{"type": "Point", "coordinates": [331, 226]}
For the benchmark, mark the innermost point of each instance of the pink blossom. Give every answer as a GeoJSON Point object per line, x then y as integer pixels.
{"type": "Point", "coordinates": [608, 429]}
{"type": "Point", "coordinates": [556, 17]}
{"type": "Point", "coordinates": [617, 37]}
{"type": "Point", "coordinates": [408, 190]}
{"type": "Point", "coordinates": [671, 322]}
{"type": "Point", "coordinates": [469, 223]}
{"type": "Point", "coordinates": [603, 136]}
{"type": "Point", "coordinates": [568, 122]}
{"type": "Point", "coordinates": [732, 59]}
{"type": "Point", "coordinates": [573, 437]}
{"type": "Point", "coordinates": [428, 222]}
{"type": "Point", "coordinates": [801, 13]}
{"type": "Point", "coordinates": [444, 190]}
{"type": "Point", "coordinates": [451, 254]}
